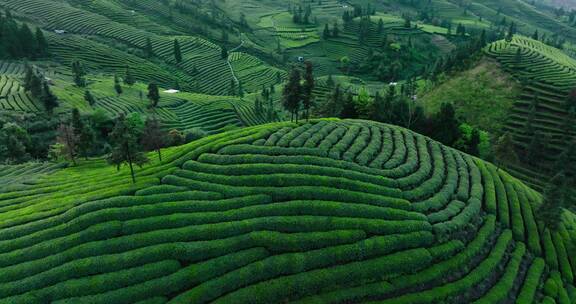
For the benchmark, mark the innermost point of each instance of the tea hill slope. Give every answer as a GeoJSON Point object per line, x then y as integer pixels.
{"type": "Point", "coordinates": [322, 212]}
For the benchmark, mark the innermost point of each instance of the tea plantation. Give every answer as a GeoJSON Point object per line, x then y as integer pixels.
{"type": "Point", "coordinates": [330, 211]}
{"type": "Point", "coordinates": [547, 76]}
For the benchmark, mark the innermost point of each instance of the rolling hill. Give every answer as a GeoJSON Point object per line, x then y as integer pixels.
{"type": "Point", "coordinates": [282, 213]}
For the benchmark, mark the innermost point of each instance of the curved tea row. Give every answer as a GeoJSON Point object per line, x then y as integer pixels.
{"type": "Point", "coordinates": [282, 213]}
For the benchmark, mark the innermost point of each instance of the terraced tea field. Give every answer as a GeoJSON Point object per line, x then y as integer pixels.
{"type": "Point", "coordinates": [549, 76]}
{"type": "Point", "coordinates": [200, 56]}
{"type": "Point", "coordinates": [253, 73]}
{"type": "Point", "coordinates": [283, 213]}
{"type": "Point", "coordinates": [12, 95]}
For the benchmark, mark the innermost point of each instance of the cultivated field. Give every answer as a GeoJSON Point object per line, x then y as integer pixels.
{"type": "Point", "coordinates": [280, 213]}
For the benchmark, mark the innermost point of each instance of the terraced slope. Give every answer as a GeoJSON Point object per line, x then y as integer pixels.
{"type": "Point", "coordinates": [549, 75]}
{"type": "Point", "coordinates": [12, 95]}
{"type": "Point", "coordinates": [108, 21]}
{"type": "Point", "coordinates": [283, 213]}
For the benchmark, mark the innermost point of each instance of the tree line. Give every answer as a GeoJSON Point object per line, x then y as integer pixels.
{"type": "Point", "coordinates": [18, 41]}
{"type": "Point", "coordinates": [125, 139]}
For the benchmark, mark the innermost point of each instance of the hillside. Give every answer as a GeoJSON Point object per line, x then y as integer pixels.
{"type": "Point", "coordinates": [281, 213]}
{"type": "Point", "coordinates": [482, 95]}
{"type": "Point", "coordinates": [548, 77]}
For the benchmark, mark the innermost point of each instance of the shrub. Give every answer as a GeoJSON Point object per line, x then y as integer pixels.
{"type": "Point", "coordinates": [531, 282]}
{"type": "Point", "coordinates": [443, 215]}
{"type": "Point", "coordinates": [439, 294]}
{"type": "Point", "coordinates": [503, 287]}
{"type": "Point", "coordinates": [274, 137]}
{"type": "Point", "coordinates": [371, 151]}
{"type": "Point", "coordinates": [194, 134]}
{"type": "Point", "coordinates": [177, 282]}
{"type": "Point", "coordinates": [461, 220]}
{"type": "Point", "coordinates": [304, 283]}
{"type": "Point", "coordinates": [387, 149]}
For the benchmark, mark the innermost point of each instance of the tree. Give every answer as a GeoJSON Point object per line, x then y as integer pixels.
{"type": "Point", "coordinates": [76, 121]}
{"type": "Point", "coordinates": [407, 22]}
{"type": "Point", "coordinates": [558, 194]}
{"type": "Point", "coordinates": [176, 138]}
{"type": "Point", "coordinates": [335, 30]}
{"type": "Point", "coordinates": [571, 100]}
{"type": "Point", "coordinates": [240, 89]}
{"type": "Point", "coordinates": [511, 32]}
{"type": "Point", "coordinates": [125, 149]}
{"type": "Point", "coordinates": [153, 95]}
{"type": "Point", "coordinates": [380, 26]}
{"type": "Point", "coordinates": [14, 141]}
{"type": "Point", "coordinates": [518, 57]}
{"type": "Point", "coordinates": [243, 22]}
{"type": "Point", "coordinates": [89, 98]}
{"type": "Point", "coordinates": [333, 105]}
{"type": "Point", "coordinates": [566, 161]}
{"type": "Point", "coordinates": [86, 138]}
{"type": "Point", "coordinates": [32, 81]}
{"type": "Point", "coordinates": [482, 39]}
{"type": "Point", "coordinates": [504, 151]}
{"type": "Point", "coordinates": [117, 86]}
{"type": "Point", "coordinates": [258, 106]}
{"type": "Point", "coordinates": [149, 50]}
{"type": "Point", "coordinates": [460, 30]}
{"type": "Point", "coordinates": [224, 52]}
{"type": "Point", "coordinates": [349, 107]}
{"type": "Point", "coordinates": [536, 149]}
{"type": "Point", "coordinates": [27, 41]}
{"type": "Point", "coordinates": [49, 100]}
{"type": "Point", "coordinates": [129, 78]}
{"type": "Point", "coordinates": [326, 33]}
{"type": "Point", "coordinates": [292, 94]}
{"type": "Point", "coordinates": [41, 44]}
{"type": "Point", "coordinates": [153, 138]}
{"type": "Point", "coordinates": [379, 109]}
{"type": "Point", "coordinates": [330, 81]}
{"type": "Point", "coordinates": [364, 103]}
{"type": "Point", "coordinates": [177, 51]}
{"type": "Point", "coordinates": [474, 142]}
{"type": "Point", "coordinates": [68, 140]}
{"type": "Point", "coordinates": [447, 126]}
{"type": "Point", "coordinates": [307, 89]}
{"type": "Point", "coordinates": [79, 73]}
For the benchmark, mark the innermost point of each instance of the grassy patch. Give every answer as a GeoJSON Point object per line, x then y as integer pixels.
{"type": "Point", "coordinates": [482, 96]}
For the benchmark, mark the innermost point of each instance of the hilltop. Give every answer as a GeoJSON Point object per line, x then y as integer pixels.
{"type": "Point", "coordinates": [281, 212]}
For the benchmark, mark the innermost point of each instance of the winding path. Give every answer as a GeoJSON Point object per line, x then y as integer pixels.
{"type": "Point", "coordinates": [230, 65]}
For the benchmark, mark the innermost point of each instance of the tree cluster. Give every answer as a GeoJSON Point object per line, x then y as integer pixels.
{"type": "Point", "coordinates": [297, 95]}
{"type": "Point", "coordinates": [559, 194]}
{"type": "Point", "coordinates": [79, 73]}
{"type": "Point", "coordinates": [400, 108]}
{"type": "Point", "coordinates": [18, 41]}
{"type": "Point", "coordinates": [301, 15]}
{"type": "Point", "coordinates": [39, 88]}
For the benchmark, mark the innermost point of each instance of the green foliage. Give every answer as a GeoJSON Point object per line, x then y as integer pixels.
{"type": "Point", "coordinates": [153, 94]}
{"type": "Point", "coordinates": [126, 149]}
{"type": "Point", "coordinates": [14, 141]}
{"type": "Point", "coordinates": [292, 94]}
